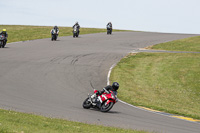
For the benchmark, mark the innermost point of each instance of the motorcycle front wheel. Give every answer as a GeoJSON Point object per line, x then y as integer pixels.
{"type": "Point", "coordinates": [87, 104]}
{"type": "Point", "coordinates": [106, 107]}
{"type": "Point", "coordinates": [1, 44]}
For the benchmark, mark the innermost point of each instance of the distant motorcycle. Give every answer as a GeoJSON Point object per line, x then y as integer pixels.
{"type": "Point", "coordinates": [54, 35]}
{"type": "Point", "coordinates": [75, 31]}
{"type": "Point", "coordinates": [2, 41]}
{"type": "Point", "coordinates": [109, 29]}
{"type": "Point", "coordinates": [108, 100]}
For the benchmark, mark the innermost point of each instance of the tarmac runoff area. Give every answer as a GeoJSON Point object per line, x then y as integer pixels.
{"type": "Point", "coordinates": [52, 78]}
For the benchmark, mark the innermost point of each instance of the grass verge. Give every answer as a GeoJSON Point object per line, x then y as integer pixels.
{"type": "Point", "coordinates": [15, 122]}
{"type": "Point", "coordinates": [161, 81]}
{"type": "Point", "coordinates": [22, 33]}
{"type": "Point", "coordinates": [187, 44]}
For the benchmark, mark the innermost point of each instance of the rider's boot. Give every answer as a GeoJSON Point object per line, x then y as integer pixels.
{"type": "Point", "coordinates": [98, 103]}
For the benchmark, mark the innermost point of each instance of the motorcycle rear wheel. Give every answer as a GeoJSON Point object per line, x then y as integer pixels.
{"type": "Point", "coordinates": [106, 107]}
{"type": "Point", "coordinates": [87, 104]}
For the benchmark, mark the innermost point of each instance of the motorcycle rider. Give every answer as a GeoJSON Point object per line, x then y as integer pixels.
{"type": "Point", "coordinates": [110, 25]}
{"type": "Point", "coordinates": [54, 30]}
{"type": "Point", "coordinates": [107, 89]}
{"type": "Point", "coordinates": [78, 26]}
{"type": "Point", "coordinates": [5, 34]}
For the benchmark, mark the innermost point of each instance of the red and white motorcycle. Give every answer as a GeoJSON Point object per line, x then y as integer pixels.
{"type": "Point", "coordinates": [107, 101]}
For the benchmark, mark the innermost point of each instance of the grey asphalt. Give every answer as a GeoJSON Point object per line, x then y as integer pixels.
{"type": "Point", "coordinates": [53, 78]}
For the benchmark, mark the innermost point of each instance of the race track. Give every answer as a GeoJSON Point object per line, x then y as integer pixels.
{"type": "Point", "coordinates": [53, 78]}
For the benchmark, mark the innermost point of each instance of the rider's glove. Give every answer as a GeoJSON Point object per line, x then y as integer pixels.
{"type": "Point", "coordinates": [97, 93]}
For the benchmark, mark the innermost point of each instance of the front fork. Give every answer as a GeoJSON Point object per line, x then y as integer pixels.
{"type": "Point", "coordinates": [92, 99]}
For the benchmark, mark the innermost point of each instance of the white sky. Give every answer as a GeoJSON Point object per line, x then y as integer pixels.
{"type": "Point", "coordinates": [174, 16]}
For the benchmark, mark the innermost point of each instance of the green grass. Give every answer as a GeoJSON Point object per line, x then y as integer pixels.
{"type": "Point", "coordinates": [22, 33]}
{"type": "Point", "coordinates": [188, 44]}
{"type": "Point", "coordinates": [14, 122]}
{"type": "Point", "coordinates": [162, 81]}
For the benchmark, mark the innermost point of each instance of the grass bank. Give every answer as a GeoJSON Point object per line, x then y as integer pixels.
{"type": "Point", "coordinates": [22, 33]}
{"type": "Point", "coordinates": [14, 122]}
{"type": "Point", "coordinates": [162, 81]}
{"type": "Point", "coordinates": [187, 44]}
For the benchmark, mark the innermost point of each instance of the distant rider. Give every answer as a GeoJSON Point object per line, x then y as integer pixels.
{"type": "Point", "coordinates": [78, 26]}
{"type": "Point", "coordinates": [107, 89]}
{"type": "Point", "coordinates": [5, 34]}
{"type": "Point", "coordinates": [109, 25]}
{"type": "Point", "coordinates": [55, 30]}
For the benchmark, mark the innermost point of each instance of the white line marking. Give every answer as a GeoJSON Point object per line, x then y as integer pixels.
{"type": "Point", "coordinates": [109, 72]}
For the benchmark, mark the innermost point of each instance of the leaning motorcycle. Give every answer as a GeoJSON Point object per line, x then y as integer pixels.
{"type": "Point", "coordinates": [2, 41]}
{"type": "Point", "coordinates": [109, 29]}
{"type": "Point", "coordinates": [107, 101]}
{"type": "Point", "coordinates": [75, 31]}
{"type": "Point", "coordinates": [54, 35]}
